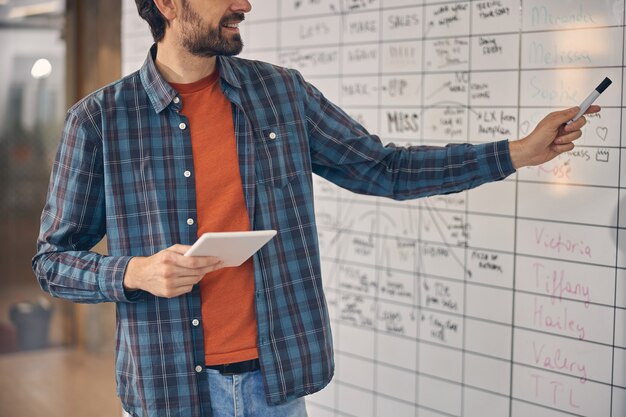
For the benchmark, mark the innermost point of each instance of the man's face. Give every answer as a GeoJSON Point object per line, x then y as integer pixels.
{"type": "Point", "coordinates": [216, 33]}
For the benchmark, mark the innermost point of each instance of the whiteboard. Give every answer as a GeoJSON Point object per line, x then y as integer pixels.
{"type": "Point", "coordinates": [507, 300]}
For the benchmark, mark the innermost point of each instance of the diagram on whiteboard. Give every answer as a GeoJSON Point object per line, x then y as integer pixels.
{"type": "Point", "coordinates": [507, 300]}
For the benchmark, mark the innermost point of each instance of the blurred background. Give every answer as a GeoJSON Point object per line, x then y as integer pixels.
{"type": "Point", "coordinates": [53, 354]}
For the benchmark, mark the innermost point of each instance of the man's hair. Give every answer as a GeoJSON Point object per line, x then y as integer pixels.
{"type": "Point", "coordinates": [151, 14]}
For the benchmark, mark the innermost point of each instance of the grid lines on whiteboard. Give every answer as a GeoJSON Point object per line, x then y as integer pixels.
{"type": "Point", "coordinates": [507, 300]}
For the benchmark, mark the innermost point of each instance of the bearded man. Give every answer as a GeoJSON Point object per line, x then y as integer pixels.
{"type": "Point", "coordinates": [200, 141]}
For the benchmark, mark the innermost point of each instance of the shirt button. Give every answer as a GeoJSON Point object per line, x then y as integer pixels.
{"type": "Point", "coordinates": [272, 135]}
{"type": "Point", "coordinates": [182, 126]}
{"type": "Point", "coordinates": [189, 222]}
{"type": "Point", "coordinates": [195, 322]}
{"type": "Point", "coordinates": [187, 174]}
{"type": "Point", "coordinates": [176, 100]}
{"type": "Point", "coordinates": [198, 368]}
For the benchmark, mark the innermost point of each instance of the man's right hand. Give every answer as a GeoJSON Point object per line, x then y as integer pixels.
{"type": "Point", "coordinates": [168, 273]}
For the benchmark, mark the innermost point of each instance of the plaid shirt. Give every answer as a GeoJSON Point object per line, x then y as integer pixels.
{"type": "Point", "coordinates": [121, 171]}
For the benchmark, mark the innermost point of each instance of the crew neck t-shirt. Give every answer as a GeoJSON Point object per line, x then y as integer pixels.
{"type": "Point", "coordinates": [228, 312]}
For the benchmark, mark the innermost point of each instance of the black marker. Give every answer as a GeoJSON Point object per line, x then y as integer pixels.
{"type": "Point", "coordinates": [591, 98]}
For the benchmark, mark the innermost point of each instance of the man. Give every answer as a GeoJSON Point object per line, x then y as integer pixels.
{"type": "Point", "coordinates": [198, 141]}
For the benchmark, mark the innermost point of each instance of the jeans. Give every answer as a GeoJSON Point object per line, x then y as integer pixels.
{"type": "Point", "coordinates": [242, 395]}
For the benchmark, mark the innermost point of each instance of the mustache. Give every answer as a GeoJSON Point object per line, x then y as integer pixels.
{"type": "Point", "coordinates": [235, 17]}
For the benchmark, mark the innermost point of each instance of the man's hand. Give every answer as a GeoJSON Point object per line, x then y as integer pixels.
{"type": "Point", "coordinates": [550, 138]}
{"type": "Point", "coordinates": [168, 273]}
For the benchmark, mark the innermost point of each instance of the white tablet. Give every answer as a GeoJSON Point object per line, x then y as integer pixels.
{"type": "Point", "coordinates": [233, 248]}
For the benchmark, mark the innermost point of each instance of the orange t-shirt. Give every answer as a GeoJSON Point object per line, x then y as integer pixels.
{"type": "Point", "coordinates": [228, 311]}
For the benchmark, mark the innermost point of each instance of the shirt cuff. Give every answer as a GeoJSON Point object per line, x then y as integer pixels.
{"type": "Point", "coordinates": [494, 160]}
{"type": "Point", "coordinates": [111, 281]}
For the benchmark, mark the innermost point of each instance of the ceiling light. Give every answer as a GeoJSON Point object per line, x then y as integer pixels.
{"type": "Point", "coordinates": [41, 69]}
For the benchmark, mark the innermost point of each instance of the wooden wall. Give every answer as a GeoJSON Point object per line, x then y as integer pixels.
{"type": "Point", "coordinates": [93, 60]}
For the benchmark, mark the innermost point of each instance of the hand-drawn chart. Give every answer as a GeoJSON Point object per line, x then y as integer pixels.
{"type": "Point", "coordinates": [507, 300]}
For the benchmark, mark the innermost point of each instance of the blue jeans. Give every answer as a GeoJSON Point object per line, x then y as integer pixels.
{"type": "Point", "coordinates": [243, 396]}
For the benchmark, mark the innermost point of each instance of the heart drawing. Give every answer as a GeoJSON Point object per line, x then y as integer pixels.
{"type": "Point", "coordinates": [524, 127]}
{"type": "Point", "coordinates": [602, 131]}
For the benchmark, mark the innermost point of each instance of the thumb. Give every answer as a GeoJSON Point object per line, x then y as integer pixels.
{"type": "Point", "coordinates": [178, 248]}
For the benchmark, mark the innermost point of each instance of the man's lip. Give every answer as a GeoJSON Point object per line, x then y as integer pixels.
{"type": "Point", "coordinates": [233, 19]}
{"type": "Point", "coordinates": [231, 25]}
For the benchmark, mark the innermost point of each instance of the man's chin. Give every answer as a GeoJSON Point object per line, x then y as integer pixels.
{"type": "Point", "coordinates": [232, 50]}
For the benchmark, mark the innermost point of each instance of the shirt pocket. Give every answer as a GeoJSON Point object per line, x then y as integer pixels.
{"type": "Point", "coordinates": [277, 154]}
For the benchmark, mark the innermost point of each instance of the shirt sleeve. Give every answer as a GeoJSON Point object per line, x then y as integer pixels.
{"type": "Point", "coordinates": [73, 221]}
{"type": "Point", "coordinates": [344, 152]}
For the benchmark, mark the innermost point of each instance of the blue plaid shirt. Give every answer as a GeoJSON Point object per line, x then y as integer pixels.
{"type": "Point", "coordinates": [120, 171]}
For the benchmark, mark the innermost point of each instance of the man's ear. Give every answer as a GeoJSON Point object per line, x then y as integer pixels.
{"type": "Point", "coordinates": [168, 8]}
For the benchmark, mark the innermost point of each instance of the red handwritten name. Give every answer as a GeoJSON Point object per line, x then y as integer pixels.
{"type": "Point", "coordinates": [554, 283]}
{"type": "Point", "coordinates": [557, 170]}
{"type": "Point", "coordinates": [559, 391]}
{"type": "Point", "coordinates": [559, 321]}
{"type": "Point", "coordinates": [551, 358]}
{"type": "Point", "coordinates": [559, 243]}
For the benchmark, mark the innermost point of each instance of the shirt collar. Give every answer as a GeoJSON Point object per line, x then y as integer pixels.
{"type": "Point", "coordinates": [161, 93]}
{"type": "Point", "coordinates": [227, 71]}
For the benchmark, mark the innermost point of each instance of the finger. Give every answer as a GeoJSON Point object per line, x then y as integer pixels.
{"type": "Point", "coordinates": [195, 273]}
{"type": "Point", "coordinates": [187, 281]}
{"type": "Point", "coordinates": [174, 292]}
{"type": "Point", "coordinates": [178, 248]}
{"type": "Point", "coordinates": [567, 138]}
{"type": "Point", "coordinates": [593, 109]}
{"type": "Point", "coordinates": [178, 291]}
{"type": "Point", "coordinates": [566, 147]}
{"type": "Point", "coordinates": [176, 255]}
{"type": "Point", "coordinates": [199, 262]}
{"type": "Point", "coordinates": [557, 118]}
{"type": "Point", "coordinates": [174, 283]}
{"type": "Point", "coordinates": [191, 261]}
{"type": "Point", "coordinates": [577, 125]}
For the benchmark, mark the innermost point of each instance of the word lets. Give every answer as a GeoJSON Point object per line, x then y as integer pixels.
{"type": "Point", "coordinates": [317, 29]}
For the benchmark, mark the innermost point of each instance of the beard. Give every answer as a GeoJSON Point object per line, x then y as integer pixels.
{"type": "Point", "coordinates": [202, 40]}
